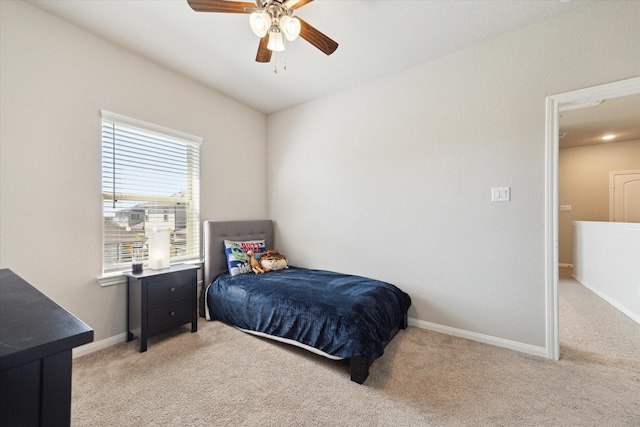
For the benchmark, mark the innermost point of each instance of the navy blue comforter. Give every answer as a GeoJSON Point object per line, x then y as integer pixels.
{"type": "Point", "coordinates": [341, 315]}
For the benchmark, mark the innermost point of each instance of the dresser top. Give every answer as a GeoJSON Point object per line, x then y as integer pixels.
{"type": "Point", "coordinates": [32, 326]}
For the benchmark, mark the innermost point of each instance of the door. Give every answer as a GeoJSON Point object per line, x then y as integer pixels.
{"type": "Point", "coordinates": [624, 204]}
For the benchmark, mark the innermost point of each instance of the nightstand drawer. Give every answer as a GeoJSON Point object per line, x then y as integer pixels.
{"type": "Point", "coordinates": [175, 287]}
{"type": "Point", "coordinates": [171, 314]}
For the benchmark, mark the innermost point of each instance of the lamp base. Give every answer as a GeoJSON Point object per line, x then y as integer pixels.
{"type": "Point", "coordinates": [159, 264]}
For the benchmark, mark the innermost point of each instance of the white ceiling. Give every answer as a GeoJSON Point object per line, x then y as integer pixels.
{"type": "Point", "coordinates": [375, 38]}
{"type": "Point", "coordinates": [586, 126]}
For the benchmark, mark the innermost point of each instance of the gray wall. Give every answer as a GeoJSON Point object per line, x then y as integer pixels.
{"type": "Point", "coordinates": [392, 179]}
{"type": "Point", "coordinates": [54, 79]}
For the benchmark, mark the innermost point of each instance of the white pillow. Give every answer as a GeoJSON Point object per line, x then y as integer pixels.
{"type": "Point", "coordinates": [236, 252]}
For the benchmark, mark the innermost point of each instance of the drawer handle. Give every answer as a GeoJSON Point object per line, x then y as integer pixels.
{"type": "Point", "coordinates": [172, 290]}
{"type": "Point", "coordinates": [173, 313]}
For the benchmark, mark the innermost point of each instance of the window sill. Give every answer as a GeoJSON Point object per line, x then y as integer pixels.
{"type": "Point", "coordinates": [117, 278]}
{"type": "Point", "coordinates": [111, 279]}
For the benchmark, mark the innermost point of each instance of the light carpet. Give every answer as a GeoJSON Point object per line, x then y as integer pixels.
{"type": "Point", "coordinates": [220, 376]}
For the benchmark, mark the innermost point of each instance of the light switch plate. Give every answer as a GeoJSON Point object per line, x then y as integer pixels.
{"type": "Point", "coordinates": [501, 194]}
{"type": "Point", "coordinates": [565, 208]}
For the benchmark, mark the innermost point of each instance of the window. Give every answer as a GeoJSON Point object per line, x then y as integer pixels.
{"type": "Point", "coordinates": [150, 181]}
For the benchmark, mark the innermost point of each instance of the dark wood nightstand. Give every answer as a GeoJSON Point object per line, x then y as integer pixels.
{"type": "Point", "coordinates": [159, 300]}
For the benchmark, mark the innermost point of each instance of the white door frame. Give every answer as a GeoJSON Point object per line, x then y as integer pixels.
{"type": "Point", "coordinates": [610, 90]}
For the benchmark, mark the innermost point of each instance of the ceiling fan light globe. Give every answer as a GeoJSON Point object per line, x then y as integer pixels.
{"type": "Point", "coordinates": [290, 27]}
{"type": "Point", "coordinates": [260, 23]}
{"type": "Point", "coordinates": [276, 43]}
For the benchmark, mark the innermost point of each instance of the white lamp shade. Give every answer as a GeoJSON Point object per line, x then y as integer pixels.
{"type": "Point", "coordinates": [276, 43]}
{"type": "Point", "coordinates": [159, 247]}
{"type": "Point", "coordinates": [290, 27]}
{"type": "Point", "coordinates": [260, 23]}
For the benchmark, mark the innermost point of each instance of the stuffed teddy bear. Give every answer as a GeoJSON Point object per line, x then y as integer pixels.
{"type": "Point", "coordinates": [270, 260]}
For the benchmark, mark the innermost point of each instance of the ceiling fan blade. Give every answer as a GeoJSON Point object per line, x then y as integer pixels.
{"type": "Point", "coordinates": [221, 6]}
{"type": "Point", "coordinates": [316, 38]}
{"type": "Point", "coordinates": [296, 4]}
{"type": "Point", "coordinates": [264, 54]}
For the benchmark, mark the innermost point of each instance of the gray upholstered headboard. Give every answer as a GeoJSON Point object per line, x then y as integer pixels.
{"type": "Point", "coordinates": [214, 233]}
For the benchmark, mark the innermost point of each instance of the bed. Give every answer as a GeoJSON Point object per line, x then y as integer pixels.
{"type": "Point", "coordinates": [336, 315]}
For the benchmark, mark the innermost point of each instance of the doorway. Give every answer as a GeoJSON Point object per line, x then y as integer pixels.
{"type": "Point", "coordinates": [553, 103]}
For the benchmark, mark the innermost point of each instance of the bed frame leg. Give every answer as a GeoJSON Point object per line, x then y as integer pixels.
{"type": "Point", "coordinates": [359, 366]}
{"type": "Point", "coordinates": [405, 321]}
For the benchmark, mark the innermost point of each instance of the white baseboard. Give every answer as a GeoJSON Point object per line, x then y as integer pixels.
{"type": "Point", "coordinates": [630, 314]}
{"type": "Point", "coordinates": [486, 339]}
{"type": "Point", "coordinates": [474, 336]}
{"type": "Point", "coordinates": [99, 345]}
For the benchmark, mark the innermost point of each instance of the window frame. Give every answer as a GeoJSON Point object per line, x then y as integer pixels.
{"type": "Point", "coordinates": [110, 275]}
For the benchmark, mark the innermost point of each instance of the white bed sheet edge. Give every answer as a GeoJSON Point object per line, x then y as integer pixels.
{"type": "Point", "coordinates": [291, 342]}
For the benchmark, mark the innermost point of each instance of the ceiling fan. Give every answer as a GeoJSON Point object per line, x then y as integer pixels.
{"type": "Point", "coordinates": [271, 20]}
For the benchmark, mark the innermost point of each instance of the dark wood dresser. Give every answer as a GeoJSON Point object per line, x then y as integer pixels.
{"type": "Point", "coordinates": [160, 300]}
{"type": "Point", "coordinates": [36, 341]}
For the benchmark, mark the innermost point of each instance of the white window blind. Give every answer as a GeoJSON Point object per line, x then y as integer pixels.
{"type": "Point", "coordinates": [150, 182]}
